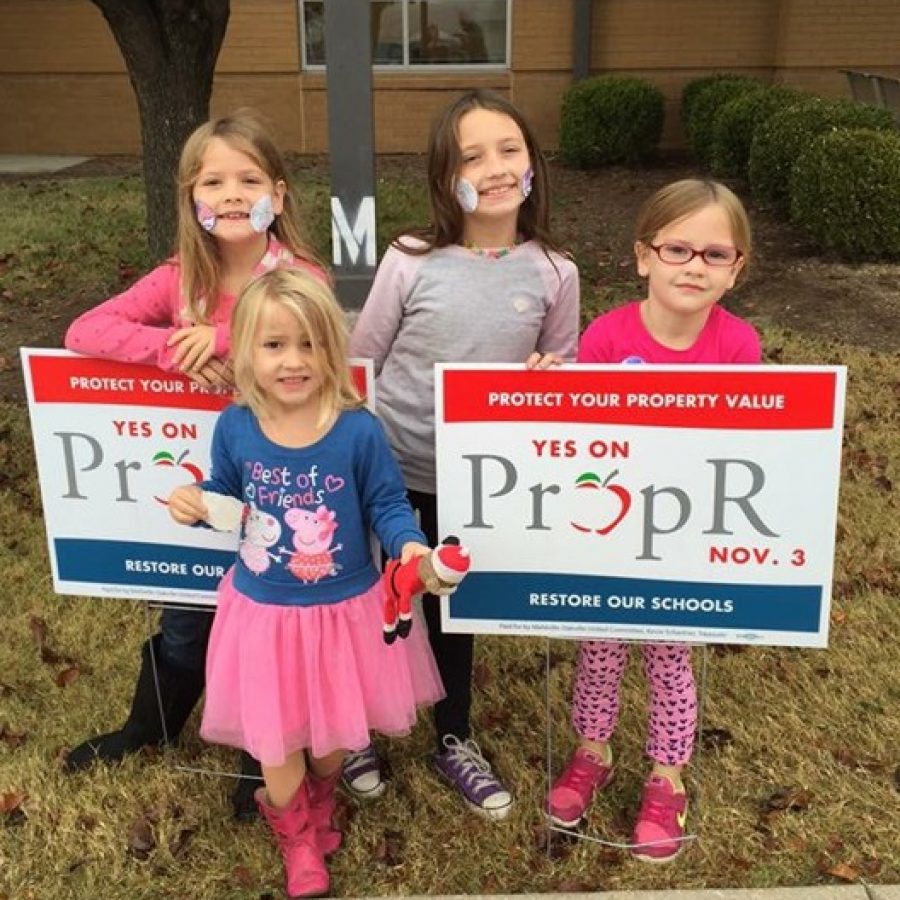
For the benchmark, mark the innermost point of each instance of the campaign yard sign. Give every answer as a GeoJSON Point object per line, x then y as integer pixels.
{"type": "Point", "coordinates": [656, 503]}
{"type": "Point", "coordinates": [112, 440]}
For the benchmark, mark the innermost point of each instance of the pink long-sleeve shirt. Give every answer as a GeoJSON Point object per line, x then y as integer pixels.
{"type": "Point", "coordinates": [621, 336]}
{"type": "Point", "coordinates": [135, 326]}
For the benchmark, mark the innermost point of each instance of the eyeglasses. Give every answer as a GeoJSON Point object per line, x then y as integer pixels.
{"type": "Point", "coordinates": [679, 254]}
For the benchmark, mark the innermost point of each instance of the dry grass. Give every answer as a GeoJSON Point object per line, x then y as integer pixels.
{"type": "Point", "coordinates": [799, 779]}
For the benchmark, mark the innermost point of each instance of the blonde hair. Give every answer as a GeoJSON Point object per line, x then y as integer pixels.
{"type": "Point", "coordinates": [198, 253]}
{"type": "Point", "coordinates": [686, 197]}
{"type": "Point", "coordinates": [320, 318]}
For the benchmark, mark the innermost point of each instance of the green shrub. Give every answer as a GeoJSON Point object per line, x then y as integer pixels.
{"type": "Point", "coordinates": [845, 192]}
{"type": "Point", "coordinates": [693, 89]}
{"type": "Point", "coordinates": [610, 119]}
{"type": "Point", "coordinates": [701, 100]}
{"type": "Point", "coordinates": [738, 120]}
{"type": "Point", "coordinates": [783, 136]}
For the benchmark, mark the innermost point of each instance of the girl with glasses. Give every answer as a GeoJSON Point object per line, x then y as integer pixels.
{"type": "Point", "coordinates": [692, 242]}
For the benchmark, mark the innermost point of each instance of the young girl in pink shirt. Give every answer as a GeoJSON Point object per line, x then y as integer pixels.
{"type": "Point", "coordinates": [237, 218]}
{"type": "Point", "coordinates": [692, 241]}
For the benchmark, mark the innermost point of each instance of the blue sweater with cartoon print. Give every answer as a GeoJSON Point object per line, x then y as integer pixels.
{"type": "Point", "coordinates": [309, 512]}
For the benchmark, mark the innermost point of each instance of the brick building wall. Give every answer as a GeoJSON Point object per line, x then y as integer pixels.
{"type": "Point", "coordinates": [64, 88]}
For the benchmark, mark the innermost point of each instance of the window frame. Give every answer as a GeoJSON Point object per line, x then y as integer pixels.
{"type": "Point", "coordinates": [406, 67]}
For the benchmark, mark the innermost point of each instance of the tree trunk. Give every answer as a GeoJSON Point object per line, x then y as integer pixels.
{"type": "Point", "coordinates": [170, 48]}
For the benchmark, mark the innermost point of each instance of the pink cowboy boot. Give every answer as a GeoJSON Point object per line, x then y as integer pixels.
{"type": "Point", "coordinates": [304, 864]}
{"type": "Point", "coordinates": [321, 810]}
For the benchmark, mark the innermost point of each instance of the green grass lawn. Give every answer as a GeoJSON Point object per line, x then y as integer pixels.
{"type": "Point", "coordinates": [796, 783]}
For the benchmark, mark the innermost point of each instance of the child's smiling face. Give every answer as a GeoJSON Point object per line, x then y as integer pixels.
{"type": "Point", "coordinates": [494, 158]}
{"type": "Point", "coordinates": [228, 184]}
{"type": "Point", "coordinates": [691, 288]}
{"type": "Point", "coordinates": [285, 365]}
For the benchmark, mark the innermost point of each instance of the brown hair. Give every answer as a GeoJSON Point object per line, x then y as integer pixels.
{"type": "Point", "coordinates": [444, 162]}
{"type": "Point", "coordinates": [684, 198]}
{"type": "Point", "coordinates": [198, 253]}
{"type": "Point", "coordinates": [321, 319]}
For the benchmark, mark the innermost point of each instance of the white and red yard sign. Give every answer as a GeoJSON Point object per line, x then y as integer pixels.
{"type": "Point", "coordinates": [112, 440]}
{"type": "Point", "coordinates": [688, 503]}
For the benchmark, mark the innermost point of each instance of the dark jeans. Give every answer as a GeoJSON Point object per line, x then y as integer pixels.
{"type": "Point", "coordinates": [185, 634]}
{"type": "Point", "coordinates": [453, 652]}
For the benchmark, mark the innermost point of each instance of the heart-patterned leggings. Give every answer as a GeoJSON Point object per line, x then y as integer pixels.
{"type": "Point", "coordinates": [673, 696]}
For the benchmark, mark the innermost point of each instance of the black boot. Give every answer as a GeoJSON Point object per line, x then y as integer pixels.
{"type": "Point", "coordinates": [180, 689]}
{"type": "Point", "coordinates": [242, 800]}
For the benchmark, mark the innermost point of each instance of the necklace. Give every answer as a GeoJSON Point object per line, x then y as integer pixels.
{"type": "Point", "coordinates": [491, 252]}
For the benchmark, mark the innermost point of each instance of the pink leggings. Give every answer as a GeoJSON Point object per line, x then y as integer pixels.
{"type": "Point", "coordinates": [673, 696]}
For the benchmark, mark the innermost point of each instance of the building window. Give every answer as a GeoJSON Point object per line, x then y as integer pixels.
{"type": "Point", "coordinates": [421, 35]}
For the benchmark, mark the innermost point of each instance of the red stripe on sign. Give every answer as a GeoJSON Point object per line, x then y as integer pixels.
{"type": "Point", "coordinates": [770, 400]}
{"type": "Point", "coordinates": [84, 379]}
{"type": "Point", "coordinates": [358, 374]}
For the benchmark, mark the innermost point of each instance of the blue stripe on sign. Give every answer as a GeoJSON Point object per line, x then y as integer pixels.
{"type": "Point", "coordinates": [131, 562]}
{"type": "Point", "coordinates": [543, 597]}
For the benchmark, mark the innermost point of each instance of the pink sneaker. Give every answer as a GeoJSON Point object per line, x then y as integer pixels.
{"type": "Point", "coordinates": [659, 829]}
{"type": "Point", "coordinates": [571, 794]}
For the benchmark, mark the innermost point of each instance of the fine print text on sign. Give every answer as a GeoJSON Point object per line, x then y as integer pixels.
{"type": "Point", "coordinates": [112, 440]}
{"type": "Point", "coordinates": [688, 503]}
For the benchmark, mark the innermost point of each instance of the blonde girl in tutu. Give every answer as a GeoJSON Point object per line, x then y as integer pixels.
{"type": "Point", "coordinates": [297, 670]}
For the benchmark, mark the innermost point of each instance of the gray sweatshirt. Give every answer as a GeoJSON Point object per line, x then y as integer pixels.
{"type": "Point", "coordinates": [451, 305]}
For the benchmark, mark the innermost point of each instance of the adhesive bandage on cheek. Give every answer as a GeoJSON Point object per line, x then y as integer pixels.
{"type": "Point", "coordinates": [205, 216]}
{"type": "Point", "coordinates": [527, 182]}
{"type": "Point", "coordinates": [465, 194]}
{"type": "Point", "coordinates": [262, 215]}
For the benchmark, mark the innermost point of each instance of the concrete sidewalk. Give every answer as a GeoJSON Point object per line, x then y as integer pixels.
{"type": "Point", "coordinates": [28, 164]}
{"type": "Point", "coordinates": [821, 892]}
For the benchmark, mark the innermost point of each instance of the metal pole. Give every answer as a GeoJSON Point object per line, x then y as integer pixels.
{"type": "Point", "coordinates": [348, 57]}
{"type": "Point", "coordinates": [581, 40]}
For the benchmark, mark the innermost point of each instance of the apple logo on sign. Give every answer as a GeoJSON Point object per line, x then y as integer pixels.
{"type": "Point", "coordinates": [614, 502]}
{"type": "Point", "coordinates": [167, 460]}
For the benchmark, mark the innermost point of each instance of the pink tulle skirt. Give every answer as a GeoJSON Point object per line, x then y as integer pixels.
{"type": "Point", "coordinates": [285, 678]}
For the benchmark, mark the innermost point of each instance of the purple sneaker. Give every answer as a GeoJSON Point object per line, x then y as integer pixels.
{"type": "Point", "coordinates": [463, 766]}
{"type": "Point", "coordinates": [361, 774]}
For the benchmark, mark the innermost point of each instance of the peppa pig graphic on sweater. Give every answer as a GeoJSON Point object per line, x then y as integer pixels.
{"type": "Point", "coordinates": [296, 499]}
{"type": "Point", "coordinates": [311, 558]}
